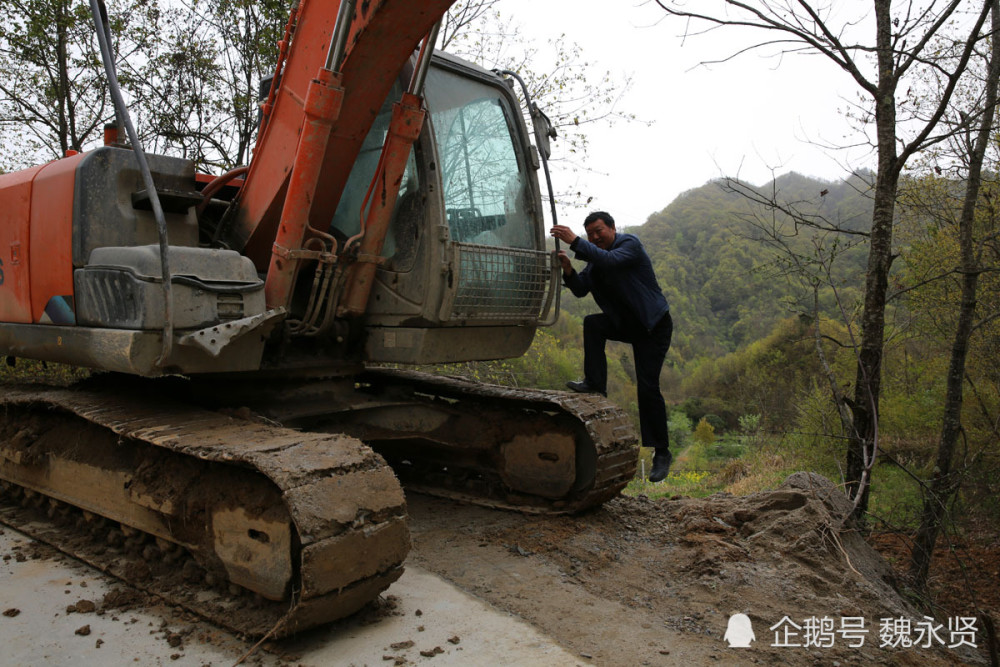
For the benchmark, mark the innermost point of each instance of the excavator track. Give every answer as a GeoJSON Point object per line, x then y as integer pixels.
{"type": "Point", "coordinates": [530, 450]}
{"type": "Point", "coordinates": [535, 450]}
{"type": "Point", "coordinates": [259, 528]}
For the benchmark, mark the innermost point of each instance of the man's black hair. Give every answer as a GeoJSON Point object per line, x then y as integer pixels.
{"type": "Point", "coordinates": [600, 215]}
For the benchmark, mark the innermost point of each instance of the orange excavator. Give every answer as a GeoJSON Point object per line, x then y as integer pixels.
{"type": "Point", "coordinates": [241, 446]}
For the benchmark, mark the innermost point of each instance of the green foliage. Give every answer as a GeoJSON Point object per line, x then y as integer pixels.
{"type": "Point", "coordinates": [195, 88]}
{"type": "Point", "coordinates": [715, 421]}
{"type": "Point", "coordinates": [760, 469]}
{"type": "Point", "coordinates": [816, 434]}
{"type": "Point", "coordinates": [750, 429]}
{"type": "Point", "coordinates": [725, 287]}
{"type": "Point", "coordinates": [679, 428]}
{"type": "Point", "coordinates": [54, 97]}
{"type": "Point", "coordinates": [896, 499]}
{"type": "Point", "coordinates": [917, 367]}
{"type": "Point", "coordinates": [762, 378]}
{"type": "Point", "coordinates": [693, 408]}
{"type": "Point", "coordinates": [704, 434]}
{"type": "Point", "coordinates": [33, 371]}
{"type": "Point", "coordinates": [189, 71]}
{"type": "Point", "coordinates": [745, 345]}
{"type": "Point", "coordinates": [679, 482]}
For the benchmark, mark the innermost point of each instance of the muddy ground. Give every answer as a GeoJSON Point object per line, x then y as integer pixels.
{"type": "Point", "coordinates": [655, 582]}
{"type": "Point", "coordinates": [644, 582]}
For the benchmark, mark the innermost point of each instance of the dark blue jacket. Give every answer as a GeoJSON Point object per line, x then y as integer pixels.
{"type": "Point", "coordinates": [621, 280]}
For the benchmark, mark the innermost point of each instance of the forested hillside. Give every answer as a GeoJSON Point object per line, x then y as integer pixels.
{"type": "Point", "coordinates": [731, 290]}
{"type": "Point", "coordinates": [723, 284]}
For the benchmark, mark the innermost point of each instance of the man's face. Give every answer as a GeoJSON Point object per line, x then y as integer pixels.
{"type": "Point", "coordinates": [600, 234]}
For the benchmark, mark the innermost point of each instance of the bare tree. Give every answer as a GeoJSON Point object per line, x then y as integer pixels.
{"type": "Point", "coordinates": [901, 42]}
{"type": "Point", "coordinates": [195, 89]}
{"type": "Point", "coordinates": [462, 18]}
{"type": "Point", "coordinates": [972, 152]}
{"type": "Point", "coordinates": [804, 242]}
{"type": "Point", "coordinates": [565, 84]}
{"type": "Point", "coordinates": [249, 31]}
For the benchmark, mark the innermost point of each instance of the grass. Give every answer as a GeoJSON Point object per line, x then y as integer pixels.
{"type": "Point", "coordinates": [678, 483]}
{"type": "Point", "coordinates": [895, 499]}
{"type": "Point", "coordinates": [694, 472]}
{"type": "Point", "coordinates": [30, 370]}
{"type": "Point", "coordinates": [729, 465]}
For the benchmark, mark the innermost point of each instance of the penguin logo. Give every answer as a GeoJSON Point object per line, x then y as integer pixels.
{"type": "Point", "coordinates": [739, 633]}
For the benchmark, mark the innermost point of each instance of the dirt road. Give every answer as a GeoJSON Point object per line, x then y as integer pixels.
{"type": "Point", "coordinates": [635, 582]}
{"type": "Point", "coordinates": [642, 582]}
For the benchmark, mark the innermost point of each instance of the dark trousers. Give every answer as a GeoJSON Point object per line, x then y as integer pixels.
{"type": "Point", "coordinates": [648, 351]}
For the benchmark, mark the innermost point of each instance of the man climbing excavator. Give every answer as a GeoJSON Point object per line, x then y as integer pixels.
{"type": "Point", "coordinates": [242, 425]}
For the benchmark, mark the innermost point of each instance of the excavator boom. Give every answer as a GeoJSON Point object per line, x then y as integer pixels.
{"type": "Point", "coordinates": [381, 39]}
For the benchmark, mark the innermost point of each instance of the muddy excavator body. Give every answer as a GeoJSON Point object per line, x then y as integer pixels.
{"type": "Point", "coordinates": [243, 424]}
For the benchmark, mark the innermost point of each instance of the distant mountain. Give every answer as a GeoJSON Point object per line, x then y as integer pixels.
{"type": "Point", "coordinates": [726, 286]}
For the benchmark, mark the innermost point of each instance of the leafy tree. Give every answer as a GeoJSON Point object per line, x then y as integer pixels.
{"type": "Point", "coordinates": [560, 79]}
{"type": "Point", "coordinates": [679, 428]}
{"type": "Point", "coordinates": [54, 92]}
{"type": "Point", "coordinates": [971, 151]}
{"type": "Point", "coordinates": [750, 430]}
{"type": "Point", "coordinates": [251, 30]}
{"type": "Point", "coordinates": [177, 102]}
{"type": "Point", "coordinates": [196, 87]}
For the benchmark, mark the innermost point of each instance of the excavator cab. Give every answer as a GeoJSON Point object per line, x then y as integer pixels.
{"type": "Point", "coordinates": [466, 275]}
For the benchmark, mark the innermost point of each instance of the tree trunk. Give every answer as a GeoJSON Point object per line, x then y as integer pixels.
{"type": "Point", "coordinates": [863, 445]}
{"type": "Point", "coordinates": [62, 76]}
{"type": "Point", "coordinates": [913, 46]}
{"type": "Point", "coordinates": [945, 482]}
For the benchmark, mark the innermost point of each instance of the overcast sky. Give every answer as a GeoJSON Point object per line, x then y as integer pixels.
{"type": "Point", "coordinates": [752, 116]}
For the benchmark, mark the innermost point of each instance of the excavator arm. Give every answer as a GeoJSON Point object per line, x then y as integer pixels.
{"type": "Point", "coordinates": [381, 38]}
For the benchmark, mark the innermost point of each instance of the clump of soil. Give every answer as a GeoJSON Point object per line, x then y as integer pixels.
{"type": "Point", "coordinates": [123, 599]}
{"type": "Point", "coordinates": [81, 607]}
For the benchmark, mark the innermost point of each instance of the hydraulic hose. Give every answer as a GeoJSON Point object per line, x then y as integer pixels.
{"type": "Point", "coordinates": [101, 23]}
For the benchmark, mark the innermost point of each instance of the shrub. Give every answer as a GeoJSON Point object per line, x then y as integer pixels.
{"type": "Point", "coordinates": [704, 433]}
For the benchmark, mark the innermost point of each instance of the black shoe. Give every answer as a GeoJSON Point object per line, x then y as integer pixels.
{"type": "Point", "coordinates": [661, 466]}
{"type": "Point", "coordinates": [583, 387]}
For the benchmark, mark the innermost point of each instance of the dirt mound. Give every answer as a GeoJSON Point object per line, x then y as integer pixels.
{"type": "Point", "coordinates": [641, 581]}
